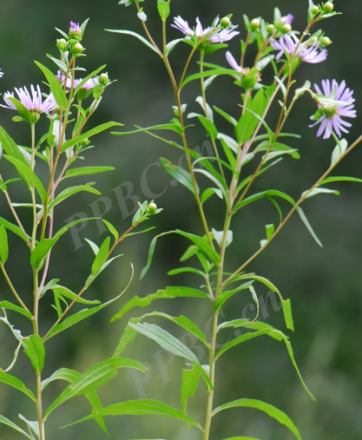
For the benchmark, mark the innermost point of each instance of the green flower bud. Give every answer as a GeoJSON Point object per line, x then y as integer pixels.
{"type": "Point", "coordinates": [328, 7]}
{"type": "Point", "coordinates": [225, 22]}
{"type": "Point", "coordinates": [77, 49]}
{"type": "Point", "coordinates": [62, 44]}
{"type": "Point", "coordinates": [315, 10]}
{"type": "Point", "coordinates": [255, 23]}
{"type": "Point", "coordinates": [270, 28]}
{"type": "Point", "coordinates": [104, 79]}
{"type": "Point", "coordinates": [286, 28]}
{"type": "Point", "coordinates": [326, 41]}
{"type": "Point", "coordinates": [251, 78]}
{"type": "Point", "coordinates": [151, 208]}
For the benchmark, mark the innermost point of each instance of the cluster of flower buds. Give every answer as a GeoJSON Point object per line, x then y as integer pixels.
{"type": "Point", "coordinates": [72, 41]}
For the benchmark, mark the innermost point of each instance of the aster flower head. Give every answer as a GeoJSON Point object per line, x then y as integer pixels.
{"type": "Point", "coordinates": [86, 88]}
{"type": "Point", "coordinates": [305, 52]}
{"type": "Point", "coordinates": [334, 102]}
{"type": "Point", "coordinates": [287, 19]}
{"type": "Point", "coordinates": [217, 34]}
{"type": "Point", "coordinates": [33, 102]}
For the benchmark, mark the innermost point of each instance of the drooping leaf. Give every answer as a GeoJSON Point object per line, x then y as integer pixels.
{"type": "Point", "coordinates": [33, 427]}
{"type": "Point", "coordinates": [10, 306]}
{"type": "Point", "coordinates": [71, 191]}
{"type": "Point", "coordinates": [35, 351]}
{"type": "Point", "coordinates": [144, 407]}
{"type": "Point", "coordinates": [89, 134]}
{"type": "Point", "coordinates": [317, 191]}
{"type": "Point", "coordinates": [92, 379]}
{"type": "Point", "coordinates": [168, 293]}
{"type": "Point", "coordinates": [190, 382]}
{"type": "Point", "coordinates": [66, 293]}
{"type": "Point", "coordinates": [263, 194]}
{"type": "Point", "coordinates": [179, 174]}
{"type": "Point", "coordinates": [207, 74]}
{"type": "Point", "coordinates": [16, 383]}
{"type": "Point", "coordinates": [304, 219]}
{"type": "Point", "coordinates": [134, 34]}
{"type": "Point", "coordinates": [9, 423]}
{"type": "Point", "coordinates": [270, 410]}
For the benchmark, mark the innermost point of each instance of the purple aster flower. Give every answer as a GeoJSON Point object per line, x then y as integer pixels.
{"type": "Point", "coordinates": [287, 19]}
{"type": "Point", "coordinates": [33, 102]}
{"type": "Point", "coordinates": [216, 36]}
{"type": "Point", "coordinates": [308, 54]}
{"type": "Point", "coordinates": [231, 60]}
{"type": "Point", "coordinates": [88, 85]}
{"type": "Point", "coordinates": [330, 114]}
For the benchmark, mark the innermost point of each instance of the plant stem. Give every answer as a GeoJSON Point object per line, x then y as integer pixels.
{"type": "Point", "coordinates": [12, 288]}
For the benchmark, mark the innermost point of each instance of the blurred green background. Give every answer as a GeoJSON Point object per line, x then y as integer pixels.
{"type": "Point", "coordinates": [324, 284]}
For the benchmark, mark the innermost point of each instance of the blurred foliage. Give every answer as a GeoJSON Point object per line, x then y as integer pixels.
{"type": "Point", "coordinates": [324, 284]}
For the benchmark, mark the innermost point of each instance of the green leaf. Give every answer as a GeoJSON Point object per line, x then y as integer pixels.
{"type": "Point", "coordinates": [89, 134]}
{"type": "Point", "coordinates": [9, 423]}
{"type": "Point", "coordinates": [304, 219]}
{"type": "Point", "coordinates": [88, 77]}
{"type": "Point", "coordinates": [190, 382]}
{"type": "Point", "coordinates": [209, 126]}
{"type": "Point", "coordinates": [184, 323]}
{"type": "Point", "coordinates": [317, 191]}
{"type": "Point", "coordinates": [208, 73]}
{"type": "Point", "coordinates": [71, 376]}
{"type": "Point", "coordinates": [261, 195]}
{"type": "Point", "coordinates": [10, 306]}
{"type": "Point", "coordinates": [10, 147]}
{"type": "Point", "coordinates": [101, 257]}
{"type": "Point", "coordinates": [179, 174]}
{"type": "Point", "coordinates": [33, 427]}
{"type": "Point", "coordinates": [210, 192]}
{"type": "Point", "coordinates": [144, 407]}
{"type": "Point", "coordinates": [71, 191]}
{"type": "Point", "coordinates": [77, 317]}
{"type": "Point", "coordinates": [163, 9]}
{"type": "Point", "coordinates": [63, 291]}
{"type": "Point", "coordinates": [134, 34]}
{"type": "Point", "coordinates": [40, 252]}
{"type": "Point", "coordinates": [248, 122]}
{"type": "Point", "coordinates": [239, 340]}
{"type": "Point", "coordinates": [111, 229]}
{"type": "Point", "coordinates": [168, 293]}
{"type": "Point", "coordinates": [270, 410]}
{"type": "Point", "coordinates": [35, 351]}
{"type": "Point", "coordinates": [23, 111]}
{"type": "Point", "coordinates": [28, 173]}
{"type": "Point", "coordinates": [229, 293]}
{"type": "Point", "coordinates": [277, 147]}
{"type": "Point", "coordinates": [55, 86]}
{"type": "Point", "coordinates": [92, 379]}
{"type": "Point", "coordinates": [202, 244]}
{"type": "Point", "coordinates": [225, 115]}
{"type": "Point", "coordinates": [172, 44]}
{"type": "Point", "coordinates": [4, 246]}
{"type": "Point", "coordinates": [16, 383]}
{"type": "Point", "coordinates": [241, 438]}
{"type": "Point", "coordinates": [18, 231]}
{"type": "Point", "coordinates": [286, 303]}
{"type": "Point", "coordinates": [85, 171]}
{"type": "Point", "coordinates": [340, 179]}
{"type": "Point", "coordinates": [171, 127]}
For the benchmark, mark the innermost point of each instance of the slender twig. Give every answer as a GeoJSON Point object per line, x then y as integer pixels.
{"type": "Point", "coordinates": [12, 288]}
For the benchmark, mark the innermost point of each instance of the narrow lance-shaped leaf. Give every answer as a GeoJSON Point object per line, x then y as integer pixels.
{"type": "Point", "coordinates": [55, 86]}
{"type": "Point", "coordinates": [84, 171]}
{"type": "Point", "coordinates": [16, 383]}
{"type": "Point", "coordinates": [143, 407]}
{"type": "Point", "coordinates": [89, 134]}
{"type": "Point", "coordinates": [92, 379]}
{"type": "Point", "coordinates": [190, 381]}
{"type": "Point", "coordinates": [12, 425]}
{"type": "Point", "coordinates": [10, 306]}
{"type": "Point", "coordinates": [101, 257]}
{"type": "Point", "coordinates": [179, 174]}
{"type": "Point", "coordinates": [41, 250]}
{"type": "Point", "coordinates": [270, 410]}
{"type": "Point", "coordinates": [134, 34]}
{"type": "Point", "coordinates": [35, 351]}
{"type": "Point", "coordinates": [18, 231]}
{"type": "Point", "coordinates": [168, 293]}
{"type": "Point", "coordinates": [4, 246]}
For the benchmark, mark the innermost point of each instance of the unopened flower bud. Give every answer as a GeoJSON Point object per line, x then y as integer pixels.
{"type": "Point", "coordinates": [326, 41]}
{"type": "Point", "coordinates": [286, 28]}
{"type": "Point", "coordinates": [75, 31]}
{"type": "Point", "coordinates": [314, 10]}
{"type": "Point", "coordinates": [151, 208]}
{"type": "Point", "coordinates": [62, 44]}
{"type": "Point", "coordinates": [270, 28]}
{"type": "Point", "coordinates": [328, 7]}
{"type": "Point", "coordinates": [225, 22]}
{"type": "Point", "coordinates": [255, 23]}
{"type": "Point", "coordinates": [77, 49]}
{"type": "Point", "coordinates": [313, 40]}
{"type": "Point", "coordinates": [104, 79]}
